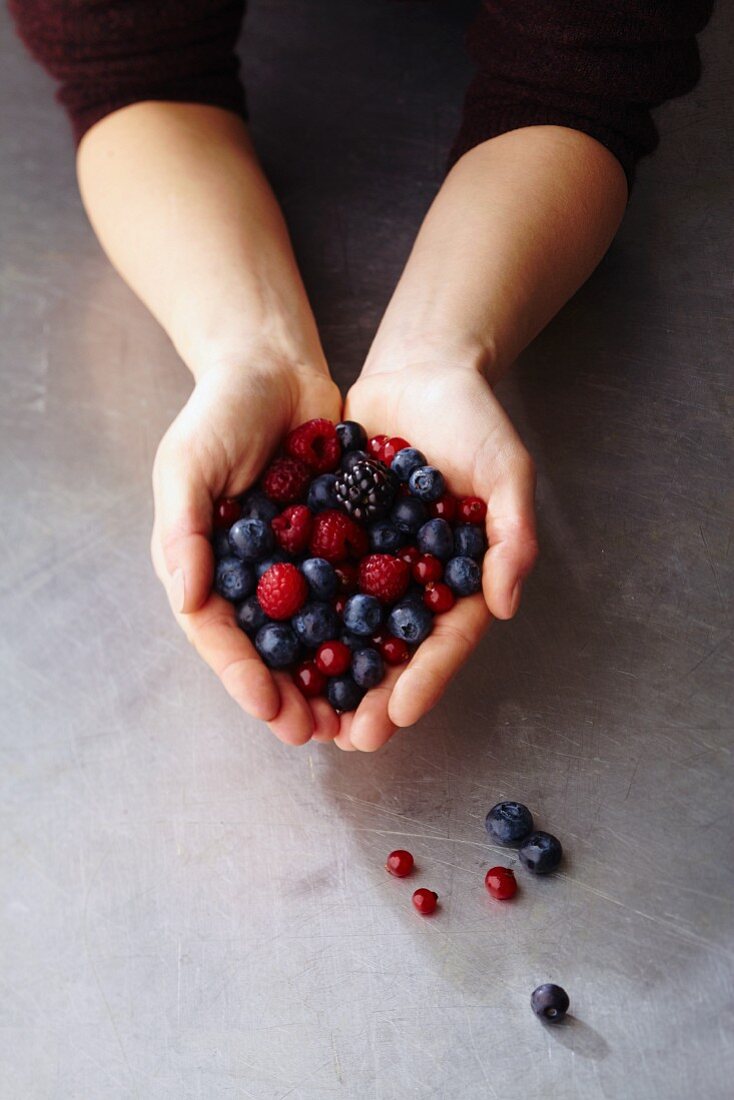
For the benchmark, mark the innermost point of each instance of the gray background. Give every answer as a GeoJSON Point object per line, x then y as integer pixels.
{"type": "Point", "coordinates": [192, 910]}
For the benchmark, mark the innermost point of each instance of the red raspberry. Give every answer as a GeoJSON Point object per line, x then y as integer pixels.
{"type": "Point", "coordinates": [444, 507]}
{"type": "Point", "coordinates": [399, 863]}
{"type": "Point", "coordinates": [391, 448]}
{"type": "Point", "coordinates": [286, 480]}
{"type": "Point", "coordinates": [384, 576]}
{"type": "Point", "coordinates": [425, 901]}
{"type": "Point", "coordinates": [292, 528]}
{"type": "Point", "coordinates": [282, 590]}
{"type": "Point", "coordinates": [409, 554]}
{"type": "Point", "coordinates": [346, 575]}
{"type": "Point", "coordinates": [336, 536]}
{"type": "Point", "coordinates": [472, 510]}
{"type": "Point", "coordinates": [333, 658]}
{"type": "Point", "coordinates": [501, 883]}
{"type": "Point", "coordinates": [375, 445]}
{"type": "Point", "coordinates": [309, 679]}
{"type": "Point", "coordinates": [438, 597]}
{"type": "Point", "coordinates": [427, 569]}
{"type": "Point", "coordinates": [226, 512]}
{"type": "Point", "coordinates": [394, 651]}
{"type": "Point", "coordinates": [315, 443]}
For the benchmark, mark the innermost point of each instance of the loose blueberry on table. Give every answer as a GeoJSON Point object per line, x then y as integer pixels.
{"type": "Point", "coordinates": [509, 823]}
{"type": "Point", "coordinates": [550, 1002]}
{"type": "Point", "coordinates": [340, 558]}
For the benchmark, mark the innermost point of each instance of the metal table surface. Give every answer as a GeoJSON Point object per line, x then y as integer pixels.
{"type": "Point", "coordinates": [191, 909]}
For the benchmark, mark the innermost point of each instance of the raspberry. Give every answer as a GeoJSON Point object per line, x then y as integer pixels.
{"type": "Point", "coordinates": [282, 590]}
{"type": "Point", "coordinates": [391, 448]}
{"type": "Point", "coordinates": [425, 900]}
{"type": "Point", "coordinates": [336, 536]}
{"type": "Point", "coordinates": [309, 679]}
{"type": "Point", "coordinates": [501, 883]}
{"type": "Point", "coordinates": [428, 568]}
{"type": "Point", "coordinates": [399, 863]}
{"type": "Point", "coordinates": [443, 508]}
{"type": "Point", "coordinates": [375, 445]}
{"type": "Point", "coordinates": [226, 512]}
{"type": "Point", "coordinates": [333, 658]}
{"type": "Point", "coordinates": [438, 597]}
{"type": "Point", "coordinates": [292, 528]}
{"type": "Point", "coordinates": [315, 443]}
{"type": "Point", "coordinates": [286, 480]}
{"type": "Point", "coordinates": [346, 575]}
{"type": "Point", "coordinates": [383, 576]}
{"type": "Point", "coordinates": [394, 651]}
{"type": "Point", "coordinates": [471, 510]}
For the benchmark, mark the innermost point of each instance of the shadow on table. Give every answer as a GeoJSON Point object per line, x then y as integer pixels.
{"type": "Point", "coordinates": [579, 1038]}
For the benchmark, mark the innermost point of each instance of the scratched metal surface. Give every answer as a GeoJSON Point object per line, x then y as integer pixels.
{"type": "Point", "coordinates": [191, 910]}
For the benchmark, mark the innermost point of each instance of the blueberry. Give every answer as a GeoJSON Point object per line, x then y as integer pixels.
{"type": "Point", "coordinates": [362, 614]}
{"type": "Point", "coordinates": [384, 538]}
{"type": "Point", "coordinates": [321, 493]}
{"type": "Point", "coordinates": [549, 1002]}
{"type": "Point", "coordinates": [408, 514]}
{"type": "Point", "coordinates": [322, 579]}
{"type": "Point", "coordinates": [352, 458]}
{"type": "Point", "coordinates": [410, 621]}
{"type": "Point", "coordinates": [250, 616]}
{"type": "Point", "coordinates": [277, 645]}
{"type": "Point", "coordinates": [354, 641]}
{"type": "Point", "coordinates": [274, 559]}
{"type": "Point", "coordinates": [343, 693]}
{"type": "Point", "coordinates": [368, 668]}
{"type": "Point", "coordinates": [463, 576]}
{"type": "Point", "coordinates": [315, 623]}
{"type": "Point", "coordinates": [540, 853]}
{"type": "Point", "coordinates": [406, 461]}
{"type": "Point", "coordinates": [257, 506]}
{"type": "Point", "coordinates": [469, 541]}
{"type": "Point", "coordinates": [251, 539]}
{"type": "Point", "coordinates": [233, 579]}
{"type": "Point", "coordinates": [220, 544]}
{"type": "Point", "coordinates": [427, 483]}
{"type": "Point", "coordinates": [436, 537]}
{"type": "Point", "coordinates": [352, 435]}
{"type": "Point", "coordinates": [509, 822]}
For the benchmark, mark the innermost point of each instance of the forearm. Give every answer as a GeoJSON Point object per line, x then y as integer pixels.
{"type": "Point", "coordinates": [519, 224]}
{"type": "Point", "coordinates": [181, 206]}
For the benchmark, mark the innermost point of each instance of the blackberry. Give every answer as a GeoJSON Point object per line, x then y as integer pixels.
{"type": "Point", "coordinates": [366, 491]}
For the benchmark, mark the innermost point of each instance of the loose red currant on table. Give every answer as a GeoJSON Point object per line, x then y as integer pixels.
{"type": "Point", "coordinates": [347, 575]}
{"type": "Point", "coordinates": [425, 901]}
{"type": "Point", "coordinates": [428, 568]}
{"type": "Point", "coordinates": [472, 510]}
{"type": "Point", "coordinates": [391, 448]}
{"type": "Point", "coordinates": [384, 576]}
{"type": "Point", "coordinates": [226, 512]}
{"type": "Point", "coordinates": [282, 590]}
{"type": "Point", "coordinates": [315, 443]}
{"type": "Point", "coordinates": [336, 537]}
{"type": "Point", "coordinates": [501, 883]}
{"type": "Point", "coordinates": [333, 658]}
{"type": "Point", "coordinates": [309, 679]}
{"type": "Point", "coordinates": [399, 863]}
{"type": "Point", "coordinates": [375, 445]}
{"type": "Point", "coordinates": [394, 651]}
{"type": "Point", "coordinates": [286, 480]}
{"type": "Point", "coordinates": [438, 597]}
{"type": "Point", "coordinates": [443, 508]}
{"type": "Point", "coordinates": [292, 528]}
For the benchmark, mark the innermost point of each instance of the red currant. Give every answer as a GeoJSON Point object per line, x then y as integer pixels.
{"type": "Point", "coordinates": [347, 575]}
{"type": "Point", "coordinates": [394, 651]}
{"type": "Point", "coordinates": [376, 444]}
{"type": "Point", "coordinates": [399, 863]}
{"type": "Point", "coordinates": [472, 510]}
{"type": "Point", "coordinates": [309, 679]}
{"type": "Point", "coordinates": [444, 507]}
{"type": "Point", "coordinates": [339, 604]}
{"type": "Point", "coordinates": [427, 569]}
{"type": "Point", "coordinates": [409, 554]}
{"type": "Point", "coordinates": [333, 658]}
{"type": "Point", "coordinates": [438, 597]}
{"type": "Point", "coordinates": [425, 901]}
{"type": "Point", "coordinates": [391, 448]}
{"type": "Point", "coordinates": [226, 512]}
{"type": "Point", "coordinates": [501, 883]}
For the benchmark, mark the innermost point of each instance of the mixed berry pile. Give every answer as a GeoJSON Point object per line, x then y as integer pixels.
{"type": "Point", "coordinates": [338, 561]}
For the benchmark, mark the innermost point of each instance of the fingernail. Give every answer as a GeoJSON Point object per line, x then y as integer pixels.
{"type": "Point", "coordinates": [515, 598]}
{"type": "Point", "coordinates": [177, 591]}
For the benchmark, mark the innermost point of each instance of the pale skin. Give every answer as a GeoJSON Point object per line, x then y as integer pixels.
{"type": "Point", "coordinates": [180, 204]}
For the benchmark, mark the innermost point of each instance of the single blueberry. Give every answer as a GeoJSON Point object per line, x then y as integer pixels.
{"type": "Point", "coordinates": [414, 596]}
{"type": "Point", "coordinates": [540, 853]}
{"type": "Point", "coordinates": [469, 541]}
{"type": "Point", "coordinates": [508, 822]}
{"type": "Point", "coordinates": [406, 461]}
{"type": "Point", "coordinates": [351, 458]}
{"type": "Point", "coordinates": [463, 576]}
{"type": "Point", "coordinates": [321, 493]}
{"type": "Point", "coordinates": [427, 483]}
{"type": "Point", "coordinates": [384, 538]}
{"type": "Point", "coordinates": [315, 623]}
{"type": "Point", "coordinates": [352, 435]}
{"type": "Point", "coordinates": [234, 579]}
{"type": "Point", "coordinates": [362, 614]}
{"type": "Point", "coordinates": [436, 537]}
{"type": "Point", "coordinates": [277, 645]}
{"type": "Point", "coordinates": [275, 559]}
{"type": "Point", "coordinates": [550, 1002]}
{"type": "Point", "coordinates": [343, 693]}
{"type": "Point", "coordinates": [251, 539]}
{"type": "Point", "coordinates": [353, 641]}
{"type": "Point", "coordinates": [257, 506]}
{"type": "Point", "coordinates": [410, 621]}
{"type": "Point", "coordinates": [250, 616]}
{"type": "Point", "coordinates": [408, 513]}
{"type": "Point", "coordinates": [220, 544]}
{"type": "Point", "coordinates": [322, 579]}
{"type": "Point", "coordinates": [368, 668]}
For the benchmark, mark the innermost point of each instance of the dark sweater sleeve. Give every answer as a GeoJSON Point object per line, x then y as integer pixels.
{"type": "Point", "coordinates": [599, 67]}
{"type": "Point", "coordinates": [106, 54]}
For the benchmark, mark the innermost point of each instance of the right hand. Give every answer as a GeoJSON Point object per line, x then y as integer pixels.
{"type": "Point", "coordinates": [217, 446]}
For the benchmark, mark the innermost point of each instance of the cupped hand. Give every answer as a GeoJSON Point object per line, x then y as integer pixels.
{"type": "Point", "coordinates": [233, 422]}
{"type": "Point", "coordinates": [451, 414]}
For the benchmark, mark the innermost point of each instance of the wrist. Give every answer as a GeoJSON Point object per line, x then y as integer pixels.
{"type": "Point", "coordinates": [415, 347]}
{"type": "Point", "coordinates": [264, 353]}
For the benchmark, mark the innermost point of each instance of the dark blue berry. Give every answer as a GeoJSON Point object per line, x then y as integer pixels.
{"type": "Point", "coordinates": [463, 576]}
{"type": "Point", "coordinates": [321, 493]}
{"type": "Point", "coordinates": [234, 579]}
{"type": "Point", "coordinates": [509, 822]}
{"type": "Point", "coordinates": [469, 541]}
{"type": "Point", "coordinates": [368, 668]}
{"type": "Point", "coordinates": [220, 544]}
{"type": "Point", "coordinates": [427, 483]}
{"type": "Point", "coordinates": [362, 614]}
{"type": "Point", "coordinates": [315, 623]}
{"type": "Point", "coordinates": [251, 539]}
{"type": "Point", "coordinates": [352, 458]}
{"type": "Point", "coordinates": [250, 616]}
{"type": "Point", "coordinates": [257, 506]}
{"type": "Point", "coordinates": [322, 579]}
{"type": "Point", "coordinates": [436, 537]}
{"type": "Point", "coordinates": [274, 559]}
{"type": "Point", "coordinates": [384, 538]}
{"type": "Point", "coordinates": [277, 645]}
{"type": "Point", "coordinates": [354, 641]}
{"type": "Point", "coordinates": [540, 853]}
{"type": "Point", "coordinates": [352, 435]}
{"type": "Point", "coordinates": [408, 513]}
{"type": "Point", "coordinates": [343, 693]}
{"type": "Point", "coordinates": [406, 461]}
{"type": "Point", "coordinates": [549, 1002]}
{"type": "Point", "coordinates": [410, 621]}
